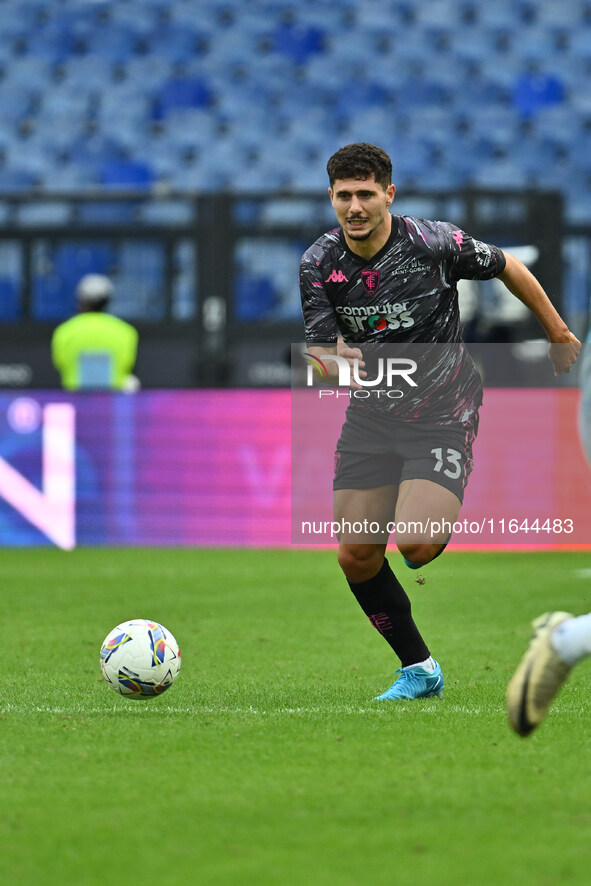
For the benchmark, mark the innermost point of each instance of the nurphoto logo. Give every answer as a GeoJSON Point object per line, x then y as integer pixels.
{"type": "Point", "coordinates": [389, 369]}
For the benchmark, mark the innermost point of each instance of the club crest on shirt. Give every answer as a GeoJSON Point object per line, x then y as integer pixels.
{"type": "Point", "coordinates": [371, 280]}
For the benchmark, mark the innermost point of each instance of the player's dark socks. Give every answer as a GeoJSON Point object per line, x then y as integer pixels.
{"type": "Point", "coordinates": [386, 604]}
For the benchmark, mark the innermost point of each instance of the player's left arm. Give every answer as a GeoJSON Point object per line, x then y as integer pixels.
{"type": "Point", "coordinates": [564, 347]}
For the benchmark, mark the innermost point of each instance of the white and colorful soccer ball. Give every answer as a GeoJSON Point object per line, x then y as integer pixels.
{"type": "Point", "coordinates": [140, 658]}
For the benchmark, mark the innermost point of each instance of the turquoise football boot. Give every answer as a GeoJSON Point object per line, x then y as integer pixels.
{"type": "Point", "coordinates": [415, 682]}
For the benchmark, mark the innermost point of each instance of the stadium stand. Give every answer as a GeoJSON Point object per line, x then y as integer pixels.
{"type": "Point", "coordinates": [147, 91]}
{"type": "Point", "coordinates": [251, 97]}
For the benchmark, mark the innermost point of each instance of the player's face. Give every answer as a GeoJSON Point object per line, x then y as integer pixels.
{"type": "Point", "coordinates": [361, 207]}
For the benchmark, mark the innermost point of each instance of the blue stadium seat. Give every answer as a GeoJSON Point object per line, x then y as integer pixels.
{"type": "Point", "coordinates": [504, 174]}
{"type": "Point", "coordinates": [557, 121]}
{"type": "Point", "coordinates": [93, 151]}
{"type": "Point", "coordinates": [138, 17]}
{"type": "Point", "coordinates": [16, 103]}
{"type": "Point", "coordinates": [363, 94]}
{"type": "Point", "coordinates": [371, 15]}
{"type": "Point", "coordinates": [579, 44]}
{"type": "Point", "coordinates": [177, 43]}
{"type": "Point", "coordinates": [10, 300]}
{"type": "Point", "coordinates": [198, 177]}
{"type": "Point", "coordinates": [298, 41]}
{"type": "Point", "coordinates": [537, 90]}
{"type": "Point", "coordinates": [71, 261]}
{"type": "Point", "coordinates": [30, 72]}
{"type": "Point", "coordinates": [143, 258]}
{"type": "Point", "coordinates": [567, 14]}
{"type": "Point", "coordinates": [346, 46]}
{"type": "Point", "coordinates": [182, 92]}
{"type": "Point", "coordinates": [127, 174]}
{"type": "Point", "coordinates": [137, 299]}
{"type": "Point", "coordinates": [16, 180]}
{"type": "Point", "coordinates": [113, 43]}
{"type": "Point", "coordinates": [52, 298]}
{"type": "Point", "coordinates": [427, 92]}
{"type": "Point", "coordinates": [139, 280]}
{"type": "Point", "coordinates": [69, 178]}
{"type": "Point", "coordinates": [52, 40]}
{"type": "Point", "coordinates": [255, 297]}
{"type": "Point", "coordinates": [496, 15]}
{"type": "Point", "coordinates": [541, 48]}
{"type": "Point", "coordinates": [576, 190]}
{"type": "Point", "coordinates": [29, 156]}
{"type": "Point", "coordinates": [184, 304]}
{"type": "Point", "coordinates": [146, 72]}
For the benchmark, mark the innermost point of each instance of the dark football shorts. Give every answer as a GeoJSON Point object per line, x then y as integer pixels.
{"type": "Point", "coordinates": [375, 450]}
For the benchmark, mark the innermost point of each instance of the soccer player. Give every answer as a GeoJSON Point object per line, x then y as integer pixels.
{"type": "Point", "coordinates": [585, 405]}
{"type": "Point", "coordinates": [560, 641]}
{"type": "Point", "coordinates": [382, 279]}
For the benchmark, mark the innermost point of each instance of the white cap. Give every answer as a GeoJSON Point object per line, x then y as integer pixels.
{"type": "Point", "coordinates": [93, 288]}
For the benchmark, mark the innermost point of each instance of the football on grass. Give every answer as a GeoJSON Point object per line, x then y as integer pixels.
{"type": "Point", "coordinates": [140, 659]}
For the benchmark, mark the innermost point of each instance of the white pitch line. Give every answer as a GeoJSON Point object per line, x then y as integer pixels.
{"type": "Point", "coordinates": [583, 573]}
{"type": "Point", "coordinates": [380, 710]}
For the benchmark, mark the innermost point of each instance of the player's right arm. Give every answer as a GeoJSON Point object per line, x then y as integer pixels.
{"type": "Point", "coordinates": [341, 349]}
{"type": "Point", "coordinates": [322, 334]}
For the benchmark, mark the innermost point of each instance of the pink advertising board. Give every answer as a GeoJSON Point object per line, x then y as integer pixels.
{"type": "Point", "coordinates": [530, 485]}
{"type": "Point", "coordinates": [232, 468]}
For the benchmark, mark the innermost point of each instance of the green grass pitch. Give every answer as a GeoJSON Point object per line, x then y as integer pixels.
{"type": "Point", "coordinates": [267, 763]}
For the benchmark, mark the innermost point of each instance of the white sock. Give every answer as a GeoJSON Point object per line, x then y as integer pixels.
{"type": "Point", "coordinates": [571, 640]}
{"type": "Point", "coordinates": [428, 665]}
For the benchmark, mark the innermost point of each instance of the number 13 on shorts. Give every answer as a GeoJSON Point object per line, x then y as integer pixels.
{"type": "Point", "coordinates": [452, 459]}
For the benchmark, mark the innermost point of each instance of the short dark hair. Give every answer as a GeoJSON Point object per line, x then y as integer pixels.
{"type": "Point", "coordinates": [96, 306]}
{"type": "Point", "coordinates": [360, 160]}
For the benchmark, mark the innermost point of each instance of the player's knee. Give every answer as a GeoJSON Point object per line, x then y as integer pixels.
{"type": "Point", "coordinates": [419, 554]}
{"type": "Point", "coordinates": [360, 562]}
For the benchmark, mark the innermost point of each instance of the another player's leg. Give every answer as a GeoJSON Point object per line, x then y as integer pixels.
{"type": "Point", "coordinates": [378, 591]}
{"type": "Point", "coordinates": [425, 513]}
{"type": "Point", "coordinates": [585, 405]}
{"type": "Point", "coordinates": [560, 641]}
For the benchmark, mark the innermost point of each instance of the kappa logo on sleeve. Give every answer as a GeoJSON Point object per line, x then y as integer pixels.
{"type": "Point", "coordinates": [336, 277]}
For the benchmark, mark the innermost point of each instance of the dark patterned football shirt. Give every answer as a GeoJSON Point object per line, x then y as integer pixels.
{"type": "Point", "coordinates": [406, 294]}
